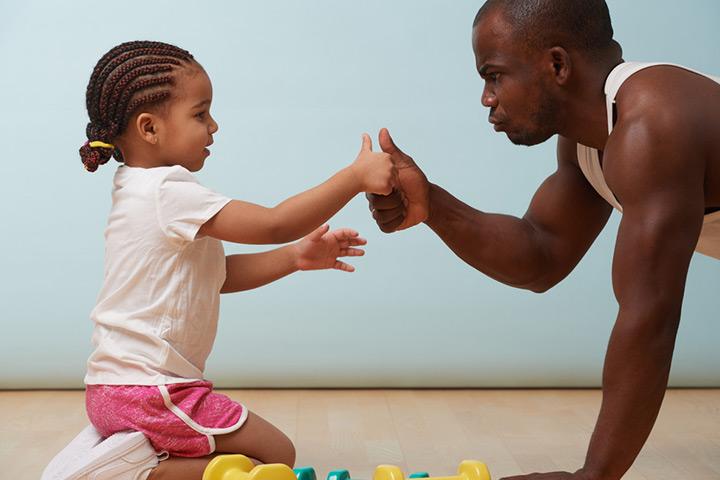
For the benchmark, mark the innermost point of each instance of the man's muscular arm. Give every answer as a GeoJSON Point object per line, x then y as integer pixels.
{"type": "Point", "coordinates": [534, 252]}
{"type": "Point", "coordinates": [658, 178]}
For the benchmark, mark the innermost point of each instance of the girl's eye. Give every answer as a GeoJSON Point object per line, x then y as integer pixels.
{"type": "Point", "coordinates": [200, 114]}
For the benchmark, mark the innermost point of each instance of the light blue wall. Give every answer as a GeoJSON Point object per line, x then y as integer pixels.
{"type": "Point", "coordinates": [296, 83]}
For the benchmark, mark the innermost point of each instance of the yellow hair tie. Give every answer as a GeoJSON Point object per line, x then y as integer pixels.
{"type": "Point", "coordinates": [100, 144]}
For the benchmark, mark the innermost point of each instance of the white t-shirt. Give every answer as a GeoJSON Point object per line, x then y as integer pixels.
{"type": "Point", "coordinates": [156, 315]}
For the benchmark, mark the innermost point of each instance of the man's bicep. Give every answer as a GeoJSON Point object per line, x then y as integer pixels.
{"type": "Point", "coordinates": [654, 245]}
{"type": "Point", "coordinates": [566, 212]}
{"type": "Point", "coordinates": [663, 204]}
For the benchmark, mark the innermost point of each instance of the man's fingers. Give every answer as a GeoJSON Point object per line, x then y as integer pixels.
{"type": "Point", "coordinates": [383, 202]}
{"type": "Point", "coordinates": [392, 225]}
{"type": "Point", "coordinates": [385, 216]}
{"type": "Point", "coordinates": [388, 210]}
{"type": "Point", "coordinates": [366, 143]}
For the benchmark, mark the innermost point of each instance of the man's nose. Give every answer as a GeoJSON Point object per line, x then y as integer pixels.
{"type": "Point", "coordinates": [489, 99]}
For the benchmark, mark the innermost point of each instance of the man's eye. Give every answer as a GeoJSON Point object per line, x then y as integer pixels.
{"type": "Point", "coordinates": [494, 76]}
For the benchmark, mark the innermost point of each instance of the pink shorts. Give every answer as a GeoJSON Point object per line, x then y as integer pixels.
{"type": "Point", "coordinates": [178, 418]}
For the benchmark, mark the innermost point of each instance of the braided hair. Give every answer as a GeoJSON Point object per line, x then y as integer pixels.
{"type": "Point", "coordinates": [129, 76]}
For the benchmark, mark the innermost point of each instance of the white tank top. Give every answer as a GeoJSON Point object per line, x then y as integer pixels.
{"type": "Point", "coordinates": [589, 161]}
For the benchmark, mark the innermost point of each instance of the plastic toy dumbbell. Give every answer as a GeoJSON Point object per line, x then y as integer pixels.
{"type": "Point", "coordinates": [308, 473]}
{"type": "Point", "coordinates": [305, 473]}
{"type": "Point", "coordinates": [239, 467]}
{"type": "Point", "coordinates": [468, 470]}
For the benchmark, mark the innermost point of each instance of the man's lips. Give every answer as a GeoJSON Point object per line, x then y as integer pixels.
{"type": "Point", "coordinates": [497, 125]}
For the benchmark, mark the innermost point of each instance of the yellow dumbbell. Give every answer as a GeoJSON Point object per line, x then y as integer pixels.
{"type": "Point", "coordinates": [468, 470]}
{"type": "Point", "coordinates": [239, 467]}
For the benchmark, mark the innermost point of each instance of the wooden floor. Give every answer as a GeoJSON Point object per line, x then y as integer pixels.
{"type": "Point", "coordinates": [512, 431]}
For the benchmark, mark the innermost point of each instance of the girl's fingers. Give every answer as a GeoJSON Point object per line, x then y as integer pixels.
{"type": "Point", "coordinates": [351, 252]}
{"type": "Point", "coordinates": [343, 266]}
{"type": "Point", "coordinates": [354, 242]}
{"type": "Point", "coordinates": [318, 232]}
{"type": "Point", "coordinates": [345, 233]}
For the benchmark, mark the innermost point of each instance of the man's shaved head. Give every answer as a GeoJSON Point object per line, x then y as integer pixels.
{"type": "Point", "coordinates": [580, 24]}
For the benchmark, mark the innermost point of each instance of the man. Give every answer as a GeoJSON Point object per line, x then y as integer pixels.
{"type": "Point", "coordinates": [651, 148]}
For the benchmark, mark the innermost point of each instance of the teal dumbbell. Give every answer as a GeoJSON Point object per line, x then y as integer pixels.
{"type": "Point", "coordinates": [419, 475]}
{"type": "Point", "coordinates": [339, 475]}
{"type": "Point", "coordinates": [308, 473]}
{"type": "Point", "coordinates": [305, 473]}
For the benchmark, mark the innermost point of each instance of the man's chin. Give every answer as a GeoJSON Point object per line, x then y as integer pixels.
{"type": "Point", "coordinates": [525, 139]}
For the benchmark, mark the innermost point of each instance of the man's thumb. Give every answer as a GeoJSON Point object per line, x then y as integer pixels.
{"type": "Point", "coordinates": [386, 142]}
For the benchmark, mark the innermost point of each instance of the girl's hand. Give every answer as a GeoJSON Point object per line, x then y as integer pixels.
{"type": "Point", "coordinates": [375, 171]}
{"type": "Point", "coordinates": [320, 249]}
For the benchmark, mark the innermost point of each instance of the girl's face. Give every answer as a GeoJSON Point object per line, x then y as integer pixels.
{"type": "Point", "coordinates": [189, 127]}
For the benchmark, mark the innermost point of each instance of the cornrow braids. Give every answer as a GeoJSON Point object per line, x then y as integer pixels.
{"type": "Point", "coordinates": [129, 76]}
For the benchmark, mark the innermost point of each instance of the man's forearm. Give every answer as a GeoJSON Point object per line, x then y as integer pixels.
{"type": "Point", "coordinates": [503, 247]}
{"type": "Point", "coordinates": [635, 378]}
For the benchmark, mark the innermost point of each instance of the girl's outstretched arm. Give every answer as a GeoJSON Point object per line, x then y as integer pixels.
{"type": "Point", "coordinates": [319, 250]}
{"type": "Point", "coordinates": [244, 222]}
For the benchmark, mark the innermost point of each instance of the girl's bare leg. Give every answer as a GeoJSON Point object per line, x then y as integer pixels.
{"type": "Point", "coordinates": [257, 438]}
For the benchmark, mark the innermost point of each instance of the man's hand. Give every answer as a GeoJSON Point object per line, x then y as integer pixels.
{"type": "Point", "coordinates": [320, 249]}
{"type": "Point", "coordinates": [407, 206]}
{"type": "Point", "coordinates": [579, 475]}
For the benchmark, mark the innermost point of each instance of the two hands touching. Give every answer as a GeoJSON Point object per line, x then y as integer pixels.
{"type": "Point", "coordinates": [398, 194]}
{"type": "Point", "coordinates": [409, 202]}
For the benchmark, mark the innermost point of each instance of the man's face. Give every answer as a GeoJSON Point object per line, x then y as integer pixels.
{"type": "Point", "coordinates": [515, 91]}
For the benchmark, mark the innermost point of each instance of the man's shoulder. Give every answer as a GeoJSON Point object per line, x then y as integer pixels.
{"type": "Point", "coordinates": [666, 96]}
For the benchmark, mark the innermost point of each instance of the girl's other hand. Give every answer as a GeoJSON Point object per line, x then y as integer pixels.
{"type": "Point", "coordinates": [375, 171]}
{"type": "Point", "coordinates": [320, 249]}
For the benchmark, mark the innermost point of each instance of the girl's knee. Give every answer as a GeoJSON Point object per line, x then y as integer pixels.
{"type": "Point", "coordinates": [285, 453]}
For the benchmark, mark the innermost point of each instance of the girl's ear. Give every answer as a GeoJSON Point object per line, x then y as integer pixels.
{"type": "Point", "coordinates": [147, 126]}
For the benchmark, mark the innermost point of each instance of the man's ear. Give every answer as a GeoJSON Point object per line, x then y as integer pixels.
{"type": "Point", "coordinates": [561, 64]}
{"type": "Point", "coordinates": [148, 126]}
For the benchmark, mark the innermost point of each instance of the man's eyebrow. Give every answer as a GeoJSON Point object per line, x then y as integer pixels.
{"type": "Point", "coordinates": [206, 101]}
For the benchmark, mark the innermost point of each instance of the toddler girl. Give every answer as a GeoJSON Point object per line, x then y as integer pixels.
{"type": "Point", "coordinates": [156, 315]}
